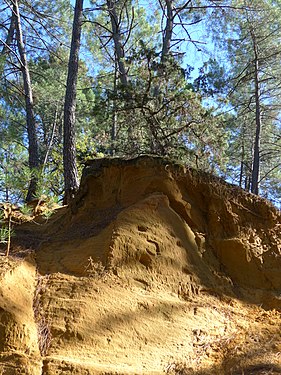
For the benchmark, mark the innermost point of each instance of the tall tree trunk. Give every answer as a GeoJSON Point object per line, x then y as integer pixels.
{"type": "Point", "coordinates": [119, 50]}
{"type": "Point", "coordinates": [10, 34]}
{"type": "Point", "coordinates": [33, 148]}
{"type": "Point", "coordinates": [114, 112]}
{"type": "Point", "coordinates": [256, 156]}
{"type": "Point", "coordinates": [69, 147]}
{"type": "Point", "coordinates": [242, 166]}
{"type": "Point", "coordinates": [120, 68]}
{"type": "Point", "coordinates": [168, 14]}
{"type": "Point", "coordinates": [168, 32]}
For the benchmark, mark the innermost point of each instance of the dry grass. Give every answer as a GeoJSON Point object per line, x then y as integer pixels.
{"type": "Point", "coordinates": [43, 326]}
{"type": "Point", "coordinates": [95, 268]}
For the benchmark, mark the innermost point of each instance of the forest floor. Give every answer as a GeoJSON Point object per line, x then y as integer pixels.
{"type": "Point", "coordinates": [152, 269]}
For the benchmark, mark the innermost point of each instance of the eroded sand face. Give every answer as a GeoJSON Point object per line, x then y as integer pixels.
{"type": "Point", "coordinates": [152, 269]}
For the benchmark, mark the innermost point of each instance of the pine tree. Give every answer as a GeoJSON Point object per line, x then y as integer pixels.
{"type": "Point", "coordinates": [69, 145]}
{"type": "Point", "coordinates": [250, 33]}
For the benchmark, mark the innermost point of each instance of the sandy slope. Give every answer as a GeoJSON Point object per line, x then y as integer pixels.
{"type": "Point", "coordinates": [152, 269]}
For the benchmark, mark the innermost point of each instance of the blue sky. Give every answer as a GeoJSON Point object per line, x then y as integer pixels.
{"type": "Point", "coordinates": [197, 32]}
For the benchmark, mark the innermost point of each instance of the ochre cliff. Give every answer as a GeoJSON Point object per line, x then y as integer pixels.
{"type": "Point", "coordinates": [154, 268]}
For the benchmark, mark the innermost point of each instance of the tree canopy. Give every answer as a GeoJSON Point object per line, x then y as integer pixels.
{"type": "Point", "coordinates": [117, 77]}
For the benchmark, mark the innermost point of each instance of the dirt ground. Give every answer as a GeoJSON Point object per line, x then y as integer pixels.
{"type": "Point", "coordinates": [153, 268]}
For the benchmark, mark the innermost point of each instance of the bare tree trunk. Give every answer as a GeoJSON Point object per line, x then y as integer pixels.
{"type": "Point", "coordinates": [33, 148]}
{"type": "Point", "coordinates": [10, 34]}
{"type": "Point", "coordinates": [241, 175]}
{"type": "Point", "coordinates": [120, 67]}
{"type": "Point", "coordinates": [168, 14]}
{"type": "Point", "coordinates": [114, 112]}
{"type": "Point", "coordinates": [119, 50]}
{"type": "Point", "coordinates": [50, 143]}
{"type": "Point", "coordinates": [168, 32]}
{"type": "Point", "coordinates": [69, 148]}
{"type": "Point", "coordinates": [256, 158]}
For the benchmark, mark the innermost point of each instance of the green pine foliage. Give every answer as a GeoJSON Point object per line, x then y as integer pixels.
{"type": "Point", "coordinates": [205, 121]}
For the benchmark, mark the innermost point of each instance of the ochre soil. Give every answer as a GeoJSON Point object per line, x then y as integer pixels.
{"type": "Point", "coordinates": [152, 269]}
